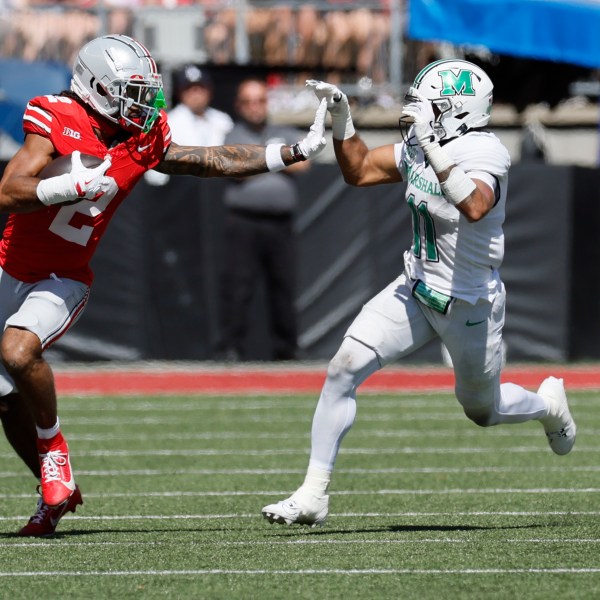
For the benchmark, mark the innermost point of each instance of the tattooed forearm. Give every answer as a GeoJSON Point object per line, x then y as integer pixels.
{"type": "Point", "coordinates": [217, 161]}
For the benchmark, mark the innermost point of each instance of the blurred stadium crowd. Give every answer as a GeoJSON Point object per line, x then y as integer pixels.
{"type": "Point", "coordinates": [331, 34]}
{"type": "Point", "coordinates": [361, 46]}
{"type": "Point", "coordinates": [348, 42]}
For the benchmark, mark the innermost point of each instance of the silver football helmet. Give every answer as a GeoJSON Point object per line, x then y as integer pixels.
{"type": "Point", "coordinates": [118, 78]}
{"type": "Point", "coordinates": [461, 94]}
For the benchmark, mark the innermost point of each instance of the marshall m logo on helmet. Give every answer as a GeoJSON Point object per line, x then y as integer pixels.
{"type": "Point", "coordinates": [457, 84]}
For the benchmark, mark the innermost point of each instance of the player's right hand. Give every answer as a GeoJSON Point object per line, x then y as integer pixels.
{"type": "Point", "coordinates": [80, 183]}
{"type": "Point", "coordinates": [90, 183]}
{"type": "Point", "coordinates": [420, 110]}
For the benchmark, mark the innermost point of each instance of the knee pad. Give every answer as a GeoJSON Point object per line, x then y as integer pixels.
{"type": "Point", "coordinates": [340, 363]}
{"type": "Point", "coordinates": [23, 319]}
{"type": "Point", "coordinates": [351, 365]}
{"type": "Point", "coordinates": [352, 357]}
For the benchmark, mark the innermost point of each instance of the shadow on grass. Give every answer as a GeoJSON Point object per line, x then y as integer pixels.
{"type": "Point", "coordinates": [74, 533]}
{"type": "Point", "coordinates": [400, 528]}
{"type": "Point", "coordinates": [407, 529]}
{"type": "Point", "coordinates": [281, 531]}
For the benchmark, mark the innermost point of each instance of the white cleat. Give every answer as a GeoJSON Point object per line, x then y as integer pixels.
{"type": "Point", "coordinates": [559, 424]}
{"type": "Point", "coordinates": [300, 508]}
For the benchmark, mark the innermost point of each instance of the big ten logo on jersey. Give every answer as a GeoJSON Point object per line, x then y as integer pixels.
{"type": "Point", "coordinates": [71, 133]}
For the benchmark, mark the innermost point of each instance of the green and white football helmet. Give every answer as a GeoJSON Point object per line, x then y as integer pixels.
{"type": "Point", "coordinates": [461, 94]}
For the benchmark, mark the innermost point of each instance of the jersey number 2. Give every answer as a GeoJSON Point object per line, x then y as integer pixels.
{"type": "Point", "coordinates": [420, 214]}
{"type": "Point", "coordinates": [61, 225]}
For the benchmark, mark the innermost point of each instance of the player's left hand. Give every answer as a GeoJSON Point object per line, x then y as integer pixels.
{"type": "Point", "coordinates": [421, 111]}
{"type": "Point", "coordinates": [315, 141]}
{"type": "Point", "coordinates": [337, 101]}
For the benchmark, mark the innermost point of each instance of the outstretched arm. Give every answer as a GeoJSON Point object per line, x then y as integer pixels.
{"type": "Point", "coordinates": [239, 160]}
{"type": "Point", "coordinates": [359, 165]}
{"type": "Point", "coordinates": [220, 161]}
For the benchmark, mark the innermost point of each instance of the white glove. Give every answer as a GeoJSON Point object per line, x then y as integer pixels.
{"type": "Point", "coordinates": [315, 141]}
{"type": "Point", "coordinates": [78, 184]}
{"type": "Point", "coordinates": [421, 111]}
{"type": "Point", "coordinates": [337, 104]}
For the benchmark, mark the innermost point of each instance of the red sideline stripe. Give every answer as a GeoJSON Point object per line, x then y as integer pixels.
{"type": "Point", "coordinates": [275, 380]}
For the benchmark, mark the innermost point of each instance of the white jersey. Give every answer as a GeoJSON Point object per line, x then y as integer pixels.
{"type": "Point", "coordinates": [189, 129]}
{"type": "Point", "coordinates": [449, 253]}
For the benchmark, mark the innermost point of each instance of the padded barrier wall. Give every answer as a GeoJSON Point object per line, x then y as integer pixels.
{"type": "Point", "coordinates": [156, 293]}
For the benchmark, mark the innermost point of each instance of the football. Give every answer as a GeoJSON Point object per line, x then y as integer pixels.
{"type": "Point", "coordinates": [62, 165]}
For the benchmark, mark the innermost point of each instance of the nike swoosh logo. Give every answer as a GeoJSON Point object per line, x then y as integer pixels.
{"type": "Point", "coordinates": [54, 522]}
{"type": "Point", "coordinates": [473, 323]}
{"type": "Point", "coordinates": [61, 511]}
{"type": "Point", "coordinates": [140, 149]}
{"type": "Point", "coordinates": [80, 190]}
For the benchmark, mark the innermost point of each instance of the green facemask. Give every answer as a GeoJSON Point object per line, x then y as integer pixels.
{"type": "Point", "coordinates": [158, 103]}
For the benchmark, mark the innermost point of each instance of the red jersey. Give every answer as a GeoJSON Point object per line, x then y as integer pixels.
{"type": "Point", "coordinates": [61, 239]}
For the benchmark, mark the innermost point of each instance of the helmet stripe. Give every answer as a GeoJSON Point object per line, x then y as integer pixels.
{"type": "Point", "coordinates": [147, 54]}
{"type": "Point", "coordinates": [429, 67]}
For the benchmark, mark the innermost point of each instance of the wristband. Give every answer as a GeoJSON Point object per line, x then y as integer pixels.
{"type": "Point", "coordinates": [55, 190]}
{"type": "Point", "coordinates": [438, 158]}
{"type": "Point", "coordinates": [342, 126]}
{"type": "Point", "coordinates": [297, 153]}
{"type": "Point", "coordinates": [458, 187]}
{"type": "Point", "coordinates": [273, 157]}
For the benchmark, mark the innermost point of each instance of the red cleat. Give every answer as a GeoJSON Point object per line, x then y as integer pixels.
{"type": "Point", "coordinates": [45, 519]}
{"type": "Point", "coordinates": [57, 479]}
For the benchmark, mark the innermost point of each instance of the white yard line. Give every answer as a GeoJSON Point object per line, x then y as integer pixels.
{"type": "Point", "coordinates": [211, 404]}
{"type": "Point", "coordinates": [202, 572]}
{"type": "Point", "coordinates": [397, 492]}
{"type": "Point", "coordinates": [372, 515]}
{"type": "Point", "coordinates": [302, 471]}
{"type": "Point", "coordinates": [302, 451]}
{"type": "Point", "coordinates": [293, 542]}
{"type": "Point", "coordinates": [278, 418]}
{"type": "Point", "coordinates": [396, 434]}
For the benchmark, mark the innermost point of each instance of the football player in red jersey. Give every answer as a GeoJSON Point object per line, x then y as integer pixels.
{"type": "Point", "coordinates": [114, 111]}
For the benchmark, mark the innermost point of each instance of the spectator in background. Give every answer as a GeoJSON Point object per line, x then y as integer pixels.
{"type": "Point", "coordinates": [259, 237]}
{"type": "Point", "coordinates": [219, 31]}
{"type": "Point", "coordinates": [193, 121]}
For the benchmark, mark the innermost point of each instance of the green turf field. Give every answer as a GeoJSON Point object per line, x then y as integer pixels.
{"type": "Point", "coordinates": [424, 505]}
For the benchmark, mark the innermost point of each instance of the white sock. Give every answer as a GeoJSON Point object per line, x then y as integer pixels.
{"type": "Point", "coordinates": [316, 481]}
{"type": "Point", "coordinates": [518, 405]}
{"type": "Point", "coordinates": [47, 434]}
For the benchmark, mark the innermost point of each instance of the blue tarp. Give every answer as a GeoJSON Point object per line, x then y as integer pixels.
{"type": "Point", "coordinates": [565, 31]}
{"type": "Point", "coordinates": [21, 81]}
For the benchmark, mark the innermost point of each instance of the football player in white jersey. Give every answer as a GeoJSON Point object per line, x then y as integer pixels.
{"type": "Point", "coordinates": [457, 176]}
